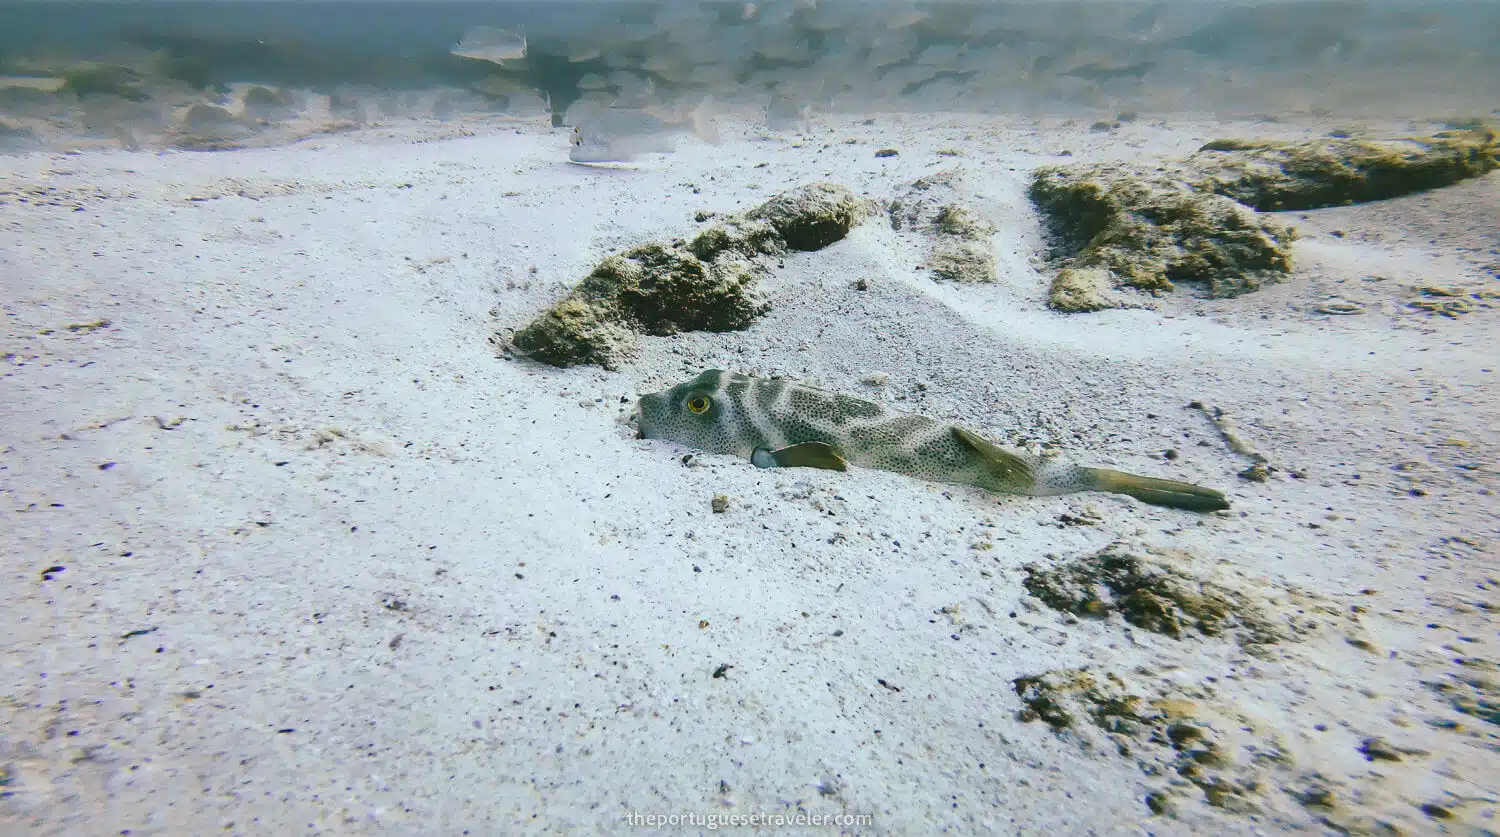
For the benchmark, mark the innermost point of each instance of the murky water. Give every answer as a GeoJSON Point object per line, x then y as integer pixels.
{"type": "Point", "coordinates": [224, 74]}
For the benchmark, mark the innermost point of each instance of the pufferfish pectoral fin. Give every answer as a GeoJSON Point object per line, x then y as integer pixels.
{"type": "Point", "coordinates": [805, 455]}
{"type": "Point", "coordinates": [1010, 471]}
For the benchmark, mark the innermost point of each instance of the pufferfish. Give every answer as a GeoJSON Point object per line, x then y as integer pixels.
{"type": "Point", "coordinates": [777, 423]}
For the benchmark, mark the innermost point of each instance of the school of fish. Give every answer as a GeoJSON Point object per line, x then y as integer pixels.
{"type": "Point", "coordinates": [776, 422]}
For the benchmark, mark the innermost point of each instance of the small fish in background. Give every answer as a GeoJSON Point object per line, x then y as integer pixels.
{"type": "Point", "coordinates": [622, 135]}
{"type": "Point", "coordinates": [775, 422]}
{"type": "Point", "coordinates": [489, 43]}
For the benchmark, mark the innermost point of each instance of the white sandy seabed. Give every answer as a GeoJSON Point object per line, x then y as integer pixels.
{"type": "Point", "coordinates": [290, 547]}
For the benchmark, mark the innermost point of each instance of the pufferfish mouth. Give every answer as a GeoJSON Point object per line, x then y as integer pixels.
{"type": "Point", "coordinates": [635, 420]}
{"type": "Point", "coordinates": [638, 415]}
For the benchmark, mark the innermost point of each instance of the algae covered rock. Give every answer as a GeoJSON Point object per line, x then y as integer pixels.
{"type": "Point", "coordinates": [652, 289]}
{"type": "Point", "coordinates": [1081, 289]}
{"type": "Point", "coordinates": [811, 217]}
{"type": "Point", "coordinates": [955, 220]}
{"type": "Point", "coordinates": [209, 128]}
{"type": "Point", "coordinates": [104, 80]}
{"type": "Point", "coordinates": [960, 248]}
{"type": "Point", "coordinates": [1149, 229]}
{"type": "Point", "coordinates": [740, 236]}
{"type": "Point", "coordinates": [962, 251]}
{"type": "Point", "coordinates": [1333, 171]}
{"type": "Point", "coordinates": [577, 331]}
{"type": "Point", "coordinates": [962, 260]}
{"type": "Point", "coordinates": [664, 290]}
{"type": "Point", "coordinates": [267, 105]}
{"type": "Point", "coordinates": [708, 284]}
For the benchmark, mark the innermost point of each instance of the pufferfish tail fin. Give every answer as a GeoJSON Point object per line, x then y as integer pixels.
{"type": "Point", "coordinates": [1169, 493]}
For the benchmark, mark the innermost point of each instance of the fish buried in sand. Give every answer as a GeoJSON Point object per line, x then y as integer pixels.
{"type": "Point", "coordinates": [775, 422]}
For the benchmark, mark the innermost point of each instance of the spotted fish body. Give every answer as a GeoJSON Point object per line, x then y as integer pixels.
{"type": "Point", "coordinates": [777, 422]}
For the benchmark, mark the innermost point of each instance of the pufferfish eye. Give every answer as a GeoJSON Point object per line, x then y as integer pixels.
{"type": "Point", "coordinates": [698, 405]}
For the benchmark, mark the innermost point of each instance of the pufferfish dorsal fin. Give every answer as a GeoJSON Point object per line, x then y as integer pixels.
{"type": "Point", "coordinates": [805, 455]}
{"type": "Point", "coordinates": [1010, 470]}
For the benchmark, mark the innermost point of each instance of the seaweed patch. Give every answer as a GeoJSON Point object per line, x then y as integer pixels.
{"type": "Point", "coordinates": [1165, 593]}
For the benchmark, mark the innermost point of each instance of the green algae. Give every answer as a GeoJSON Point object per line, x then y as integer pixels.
{"type": "Point", "coordinates": [708, 284]}
{"type": "Point", "coordinates": [1336, 171]}
{"type": "Point", "coordinates": [1156, 593]}
{"type": "Point", "coordinates": [1148, 230]}
{"type": "Point", "coordinates": [1147, 227]}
